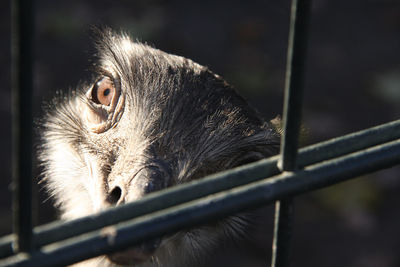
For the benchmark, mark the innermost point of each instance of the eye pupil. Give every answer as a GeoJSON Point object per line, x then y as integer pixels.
{"type": "Point", "coordinates": [106, 92]}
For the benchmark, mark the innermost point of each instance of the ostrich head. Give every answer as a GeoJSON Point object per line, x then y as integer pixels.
{"type": "Point", "coordinates": [147, 121]}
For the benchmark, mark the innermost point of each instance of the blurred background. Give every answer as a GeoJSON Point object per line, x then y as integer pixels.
{"type": "Point", "coordinates": [352, 82]}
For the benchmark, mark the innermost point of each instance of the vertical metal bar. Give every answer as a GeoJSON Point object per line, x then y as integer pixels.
{"type": "Point", "coordinates": [21, 53]}
{"type": "Point", "coordinates": [294, 83]}
{"type": "Point", "coordinates": [292, 122]}
{"type": "Point", "coordinates": [282, 233]}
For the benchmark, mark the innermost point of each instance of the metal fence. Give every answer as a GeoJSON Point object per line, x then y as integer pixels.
{"type": "Point", "coordinates": [277, 179]}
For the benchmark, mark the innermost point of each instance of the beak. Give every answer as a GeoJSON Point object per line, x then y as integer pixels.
{"type": "Point", "coordinates": [154, 176]}
{"type": "Point", "coordinates": [135, 255]}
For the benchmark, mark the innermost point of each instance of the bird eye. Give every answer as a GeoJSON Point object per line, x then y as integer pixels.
{"type": "Point", "coordinates": [104, 105]}
{"type": "Point", "coordinates": [103, 91]}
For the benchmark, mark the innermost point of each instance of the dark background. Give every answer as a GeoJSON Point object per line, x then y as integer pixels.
{"type": "Point", "coordinates": [352, 82]}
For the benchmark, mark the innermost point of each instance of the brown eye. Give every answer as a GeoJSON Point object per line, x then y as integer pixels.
{"type": "Point", "coordinates": [103, 91]}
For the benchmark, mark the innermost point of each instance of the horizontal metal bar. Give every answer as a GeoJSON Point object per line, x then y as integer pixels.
{"type": "Point", "coordinates": [59, 230]}
{"type": "Point", "coordinates": [56, 231]}
{"type": "Point", "coordinates": [211, 207]}
{"type": "Point", "coordinates": [349, 143]}
{"type": "Point", "coordinates": [6, 245]}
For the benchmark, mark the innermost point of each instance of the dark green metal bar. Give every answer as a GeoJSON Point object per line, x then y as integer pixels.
{"type": "Point", "coordinates": [349, 143]}
{"type": "Point", "coordinates": [6, 245]}
{"type": "Point", "coordinates": [283, 223]}
{"type": "Point", "coordinates": [57, 231]}
{"type": "Point", "coordinates": [294, 83]}
{"type": "Point", "coordinates": [213, 207]}
{"type": "Point", "coordinates": [292, 122]}
{"type": "Point", "coordinates": [21, 53]}
{"type": "Point", "coordinates": [167, 198]}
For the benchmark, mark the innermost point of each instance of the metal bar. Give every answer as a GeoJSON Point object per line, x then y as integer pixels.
{"type": "Point", "coordinates": [292, 122]}
{"type": "Point", "coordinates": [56, 231]}
{"type": "Point", "coordinates": [283, 221]}
{"type": "Point", "coordinates": [167, 198]}
{"type": "Point", "coordinates": [6, 245]}
{"type": "Point", "coordinates": [21, 52]}
{"type": "Point", "coordinates": [294, 83]}
{"type": "Point", "coordinates": [349, 143]}
{"type": "Point", "coordinates": [212, 207]}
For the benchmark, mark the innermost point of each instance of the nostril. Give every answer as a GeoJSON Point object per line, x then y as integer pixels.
{"type": "Point", "coordinates": [115, 195]}
{"type": "Point", "coordinates": [149, 187]}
